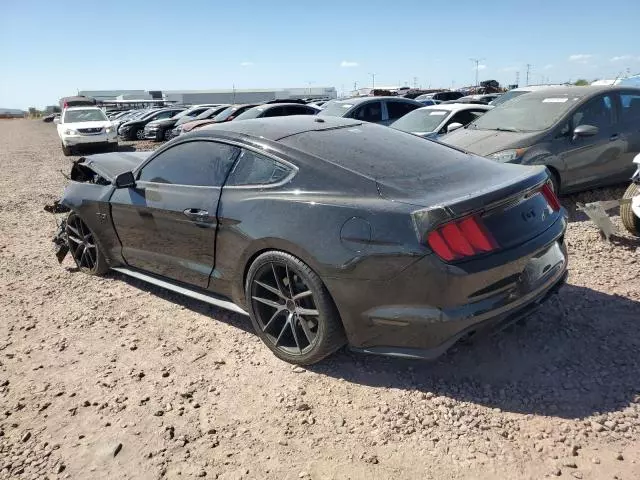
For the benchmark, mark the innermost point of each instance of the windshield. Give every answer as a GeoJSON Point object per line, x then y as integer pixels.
{"type": "Point", "coordinates": [251, 113]}
{"type": "Point", "coordinates": [507, 96]}
{"type": "Point", "coordinates": [226, 113]}
{"type": "Point", "coordinates": [526, 113]}
{"type": "Point", "coordinates": [211, 112]}
{"type": "Point", "coordinates": [425, 96]}
{"type": "Point", "coordinates": [336, 108]}
{"type": "Point", "coordinates": [88, 115]}
{"type": "Point", "coordinates": [421, 120]}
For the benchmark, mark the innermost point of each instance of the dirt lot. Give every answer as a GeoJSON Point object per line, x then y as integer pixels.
{"type": "Point", "coordinates": [110, 378]}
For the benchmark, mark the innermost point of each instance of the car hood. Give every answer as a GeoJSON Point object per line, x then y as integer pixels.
{"type": "Point", "coordinates": [486, 142]}
{"type": "Point", "coordinates": [96, 124]}
{"type": "Point", "coordinates": [197, 123]}
{"type": "Point", "coordinates": [110, 165]}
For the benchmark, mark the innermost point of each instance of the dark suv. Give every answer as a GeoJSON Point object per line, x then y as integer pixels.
{"type": "Point", "coordinates": [134, 129]}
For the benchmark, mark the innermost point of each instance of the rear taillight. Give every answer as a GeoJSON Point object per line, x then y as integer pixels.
{"type": "Point", "coordinates": [461, 238]}
{"type": "Point", "coordinates": [550, 197]}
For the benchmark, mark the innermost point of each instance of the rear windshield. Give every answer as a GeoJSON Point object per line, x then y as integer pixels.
{"type": "Point", "coordinates": [335, 108]}
{"type": "Point", "coordinates": [507, 96]}
{"type": "Point", "coordinates": [378, 151]}
{"type": "Point", "coordinates": [421, 120]}
{"type": "Point", "coordinates": [526, 113]}
{"type": "Point", "coordinates": [226, 113]}
{"type": "Point", "coordinates": [88, 115]}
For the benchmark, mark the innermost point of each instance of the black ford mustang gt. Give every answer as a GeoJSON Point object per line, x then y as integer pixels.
{"type": "Point", "coordinates": [326, 231]}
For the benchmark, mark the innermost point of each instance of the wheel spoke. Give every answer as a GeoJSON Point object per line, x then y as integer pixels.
{"type": "Point", "coordinates": [268, 302]}
{"type": "Point", "coordinates": [306, 330]}
{"type": "Point", "coordinates": [283, 292]}
{"type": "Point", "coordinates": [289, 281]}
{"type": "Point", "coordinates": [271, 320]}
{"type": "Point", "coordinates": [271, 289]}
{"type": "Point", "coordinates": [76, 232]}
{"type": "Point", "coordinates": [74, 239]}
{"type": "Point", "coordinates": [84, 253]}
{"type": "Point", "coordinates": [284, 329]}
{"type": "Point", "coordinates": [90, 258]}
{"type": "Point", "coordinates": [307, 311]}
{"type": "Point", "coordinates": [295, 334]}
{"type": "Point", "coordinates": [304, 294]}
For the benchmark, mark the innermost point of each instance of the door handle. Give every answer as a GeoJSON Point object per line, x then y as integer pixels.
{"type": "Point", "coordinates": [196, 214]}
{"type": "Point", "coordinates": [613, 137]}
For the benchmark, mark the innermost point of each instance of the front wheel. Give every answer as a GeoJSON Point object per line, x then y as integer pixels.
{"type": "Point", "coordinates": [167, 135]}
{"type": "Point", "coordinates": [140, 134]}
{"type": "Point", "coordinates": [84, 246]}
{"type": "Point", "coordinates": [66, 151]}
{"type": "Point", "coordinates": [291, 309]}
{"type": "Point", "coordinates": [629, 219]}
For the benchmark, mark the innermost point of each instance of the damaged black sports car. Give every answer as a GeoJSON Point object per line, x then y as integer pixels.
{"type": "Point", "coordinates": [325, 231]}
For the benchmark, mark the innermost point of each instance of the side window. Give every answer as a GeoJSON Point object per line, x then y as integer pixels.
{"type": "Point", "coordinates": [630, 107]}
{"type": "Point", "coordinates": [597, 112]}
{"type": "Point", "coordinates": [255, 169]}
{"type": "Point", "coordinates": [399, 109]}
{"type": "Point", "coordinates": [370, 112]}
{"type": "Point", "coordinates": [163, 115]}
{"type": "Point", "coordinates": [201, 163]}
{"type": "Point", "coordinates": [275, 112]}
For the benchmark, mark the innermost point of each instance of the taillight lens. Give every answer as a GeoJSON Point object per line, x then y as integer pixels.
{"type": "Point", "coordinates": [461, 238]}
{"type": "Point", "coordinates": [550, 197]}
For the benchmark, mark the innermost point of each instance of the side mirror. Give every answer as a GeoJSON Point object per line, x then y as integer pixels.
{"type": "Point", "coordinates": [584, 131]}
{"type": "Point", "coordinates": [125, 180]}
{"type": "Point", "coordinates": [454, 126]}
{"type": "Point", "coordinates": [56, 120]}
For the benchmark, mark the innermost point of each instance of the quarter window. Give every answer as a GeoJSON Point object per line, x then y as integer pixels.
{"type": "Point", "coordinates": [399, 109]}
{"type": "Point", "coordinates": [200, 163]}
{"type": "Point", "coordinates": [370, 112]}
{"type": "Point", "coordinates": [255, 169]}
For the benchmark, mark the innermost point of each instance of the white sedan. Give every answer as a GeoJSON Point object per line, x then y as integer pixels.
{"type": "Point", "coordinates": [85, 126]}
{"type": "Point", "coordinates": [435, 120]}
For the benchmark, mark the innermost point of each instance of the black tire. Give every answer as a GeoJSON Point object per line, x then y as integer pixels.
{"type": "Point", "coordinates": [85, 247]}
{"type": "Point", "coordinates": [629, 219]}
{"type": "Point", "coordinates": [298, 309]}
{"type": "Point", "coordinates": [139, 135]}
{"type": "Point", "coordinates": [66, 151]}
{"type": "Point", "coordinates": [166, 136]}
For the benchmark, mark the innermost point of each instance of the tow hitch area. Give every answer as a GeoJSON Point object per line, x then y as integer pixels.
{"type": "Point", "coordinates": [597, 212]}
{"type": "Point", "coordinates": [60, 238]}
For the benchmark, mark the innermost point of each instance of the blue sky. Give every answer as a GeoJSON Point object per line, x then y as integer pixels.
{"type": "Point", "coordinates": [49, 49]}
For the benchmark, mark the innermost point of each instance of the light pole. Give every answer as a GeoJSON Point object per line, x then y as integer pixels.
{"type": "Point", "coordinates": [373, 81]}
{"type": "Point", "coordinates": [477, 63]}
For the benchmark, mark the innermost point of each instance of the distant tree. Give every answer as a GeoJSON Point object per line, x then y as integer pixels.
{"type": "Point", "coordinates": [581, 82]}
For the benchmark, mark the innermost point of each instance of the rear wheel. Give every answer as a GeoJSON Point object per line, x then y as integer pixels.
{"type": "Point", "coordinates": [84, 247]}
{"type": "Point", "coordinates": [629, 219]}
{"type": "Point", "coordinates": [167, 134]}
{"type": "Point", "coordinates": [140, 134]}
{"type": "Point", "coordinates": [66, 151]}
{"type": "Point", "coordinates": [291, 309]}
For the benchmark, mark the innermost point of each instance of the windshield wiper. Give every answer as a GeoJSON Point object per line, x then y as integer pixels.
{"type": "Point", "coordinates": [506, 129]}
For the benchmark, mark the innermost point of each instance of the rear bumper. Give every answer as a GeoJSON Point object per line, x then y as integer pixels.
{"type": "Point", "coordinates": [429, 306]}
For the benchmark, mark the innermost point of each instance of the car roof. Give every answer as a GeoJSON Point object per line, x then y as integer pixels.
{"type": "Point", "coordinates": [359, 100]}
{"type": "Point", "coordinates": [82, 107]}
{"type": "Point", "coordinates": [275, 128]}
{"type": "Point", "coordinates": [579, 92]}
{"type": "Point", "coordinates": [455, 107]}
{"type": "Point", "coordinates": [268, 106]}
{"type": "Point", "coordinates": [534, 88]}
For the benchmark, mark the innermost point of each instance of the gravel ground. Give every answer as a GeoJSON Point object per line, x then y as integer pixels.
{"type": "Point", "coordinates": [111, 378]}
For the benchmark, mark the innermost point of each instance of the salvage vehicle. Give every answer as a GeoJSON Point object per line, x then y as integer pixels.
{"type": "Point", "coordinates": [586, 136]}
{"type": "Point", "coordinates": [134, 129]}
{"type": "Point", "coordinates": [159, 130]}
{"type": "Point", "coordinates": [227, 115]}
{"type": "Point", "coordinates": [185, 125]}
{"type": "Point", "coordinates": [442, 96]}
{"type": "Point", "coordinates": [629, 208]}
{"type": "Point", "coordinates": [516, 92]}
{"type": "Point", "coordinates": [400, 247]}
{"type": "Point", "coordinates": [277, 110]}
{"type": "Point", "coordinates": [430, 122]}
{"type": "Point", "coordinates": [382, 110]}
{"type": "Point", "coordinates": [85, 126]}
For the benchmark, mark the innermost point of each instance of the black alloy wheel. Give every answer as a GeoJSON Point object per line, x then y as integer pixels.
{"type": "Point", "coordinates": [291, 309]}
{"type": "Point", "coordinates": [83, 246]}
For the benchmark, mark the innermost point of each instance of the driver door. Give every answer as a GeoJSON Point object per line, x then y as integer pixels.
{"type": "Point", "coordinates": [167, 223]}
